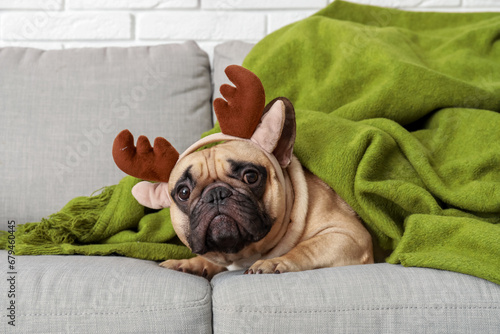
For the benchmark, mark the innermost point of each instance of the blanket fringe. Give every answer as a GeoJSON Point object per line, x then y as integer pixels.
{"type": "Point", "coordinates": [75, 220]}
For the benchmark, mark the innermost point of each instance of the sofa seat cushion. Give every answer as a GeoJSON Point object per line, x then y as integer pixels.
{"type": "Point", "coordinates": [87, 294]}
{"type": "Point", "coordinates": [379, 298]}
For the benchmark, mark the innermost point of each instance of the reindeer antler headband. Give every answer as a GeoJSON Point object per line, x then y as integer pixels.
{"type": "Point", "coordinates": [240, 117]}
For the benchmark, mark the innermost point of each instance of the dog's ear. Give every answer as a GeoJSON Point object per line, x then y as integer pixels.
{"type": "Point", "coordinates": [152, 195]}
{"type": "Point", "coordinates": [276, 130]}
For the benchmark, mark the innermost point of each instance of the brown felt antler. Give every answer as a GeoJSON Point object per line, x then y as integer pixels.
{"type": "Point", "coordinates": [144, 162]}
{"type": "Point", "coordinates": [241, 113]}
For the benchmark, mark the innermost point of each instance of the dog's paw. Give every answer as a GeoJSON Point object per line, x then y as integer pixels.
{"type": "Point", "coordinates": [196, 266]}
{"type": "Point", "coordinates": [272, 266]}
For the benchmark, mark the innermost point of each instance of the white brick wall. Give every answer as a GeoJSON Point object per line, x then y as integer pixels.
{"type": "Point", "coordinates": [55, 24]}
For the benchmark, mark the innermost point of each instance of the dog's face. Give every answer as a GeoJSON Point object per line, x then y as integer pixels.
{"type": "Point", "coordinates": [225, 198]}
{"type": "Point", "coordinates": [228, 202]}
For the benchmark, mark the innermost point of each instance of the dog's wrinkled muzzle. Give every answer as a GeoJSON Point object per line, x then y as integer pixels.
{"type": "Point", "coordinates": [225, 220]}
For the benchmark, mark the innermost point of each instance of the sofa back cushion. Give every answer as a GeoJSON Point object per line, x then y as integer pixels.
{"type": "Point", "coordinates": [61, 109]}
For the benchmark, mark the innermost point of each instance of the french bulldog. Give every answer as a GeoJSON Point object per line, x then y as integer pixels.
{"type": "Point", "coordinates": [246, 202]}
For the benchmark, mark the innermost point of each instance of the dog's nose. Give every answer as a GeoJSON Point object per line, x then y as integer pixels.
{"type": "Point", "coordinates": [217, 195]}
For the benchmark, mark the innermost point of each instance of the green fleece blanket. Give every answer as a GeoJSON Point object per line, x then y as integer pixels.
{"type": "Point", "coordinates": [111, 222]}
{"type": "Point", "coordinates": [399, 113]}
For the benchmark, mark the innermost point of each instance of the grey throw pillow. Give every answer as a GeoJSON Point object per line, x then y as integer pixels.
{"type": "Point", "coordinates": [61, 109]}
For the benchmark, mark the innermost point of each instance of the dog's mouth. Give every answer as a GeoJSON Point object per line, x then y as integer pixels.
{"type": "Point", "coordinates": [225, 220]}
{"type": "Point", "coordinates": [223, 233]}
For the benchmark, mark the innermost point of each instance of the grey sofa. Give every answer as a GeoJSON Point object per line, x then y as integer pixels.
{"type": "Point", "coordinates": [60, 111]}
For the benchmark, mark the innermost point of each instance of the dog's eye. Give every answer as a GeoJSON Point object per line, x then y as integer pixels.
{"type": "Point", "coordinates": [250, 177]}
{"type": "Point", "coordinates": [183, 193]}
